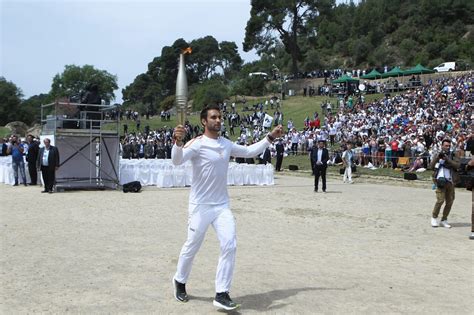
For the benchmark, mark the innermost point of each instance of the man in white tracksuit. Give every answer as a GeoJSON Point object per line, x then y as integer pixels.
{"type": "Point", "coordinates": [209, 200]}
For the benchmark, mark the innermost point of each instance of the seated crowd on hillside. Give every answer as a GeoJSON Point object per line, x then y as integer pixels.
{"type": "Point", "coordinates": [410, 126]}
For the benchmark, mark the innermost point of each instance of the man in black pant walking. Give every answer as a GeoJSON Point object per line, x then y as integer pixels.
{"type": "Point", "coordinates": [319, 158]}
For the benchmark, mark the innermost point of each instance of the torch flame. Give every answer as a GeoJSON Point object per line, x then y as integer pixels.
{"type": "Point", "coordinates": [186, 51]}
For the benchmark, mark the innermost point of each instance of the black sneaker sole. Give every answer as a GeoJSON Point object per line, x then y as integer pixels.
{"type": "Point", "coordinates": [222, 306]}
{"type": "Point", "coordinates": [174, 292]}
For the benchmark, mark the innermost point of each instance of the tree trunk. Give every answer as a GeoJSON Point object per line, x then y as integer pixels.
{"type": "Point", "coordinates": [295, 50]}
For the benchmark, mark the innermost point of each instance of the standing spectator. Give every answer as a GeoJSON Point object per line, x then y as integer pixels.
{"type": "Point", "coordinates": [445, 176]}
{"type": "Point", "coordinates": [31, 157]}
{"type": "Point", "coordinates": [3, 147]}
{"type": "Point", "coordinates": [332, 134]}
{"type": "Point", "coordinates": [347, 161]}
{"type": "Point", "coordinates": [320, 157]}
{"type": "Point", "coordinates": [141, 149]}
{"type": "Point", "coordinates": [149, 150]}
{"type": "Point", "coordinates": [16, 150]}
{"type": "Point", "coordinates": [295, 138]}
{"type": "Point", "coordinates": [126, 150]}
{"type": "Point", "coordinates": [266, 157]}
{"type": "Point", "coordinates": [280, 150]}
{"type": "Point", "coordinates": [48, 163]}
{"type": "Point", "coordinates": [394, 153]}
{"type": "Point", "coordinates": [138, 122]}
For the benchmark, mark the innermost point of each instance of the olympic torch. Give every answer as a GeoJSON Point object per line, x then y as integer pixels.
{"type": "Point", "coordinates": [181, 98]}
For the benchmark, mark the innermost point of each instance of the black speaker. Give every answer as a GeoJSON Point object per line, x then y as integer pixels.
{"type": "Point", "coordinates": [342, 170]}
{"type": "Point", "coordinates": [410, 176]}
{"type": "Point", "coordinates": [135, 186]}
{"type": "Point", "coordinates": [293, 167]}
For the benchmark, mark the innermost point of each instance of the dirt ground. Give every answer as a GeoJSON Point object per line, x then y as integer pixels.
{"type": "Point", "coordinates": [361, 248]}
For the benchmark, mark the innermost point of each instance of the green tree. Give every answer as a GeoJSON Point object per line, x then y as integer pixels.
{"type": "Point", "coordinates": [204, 58]}
{"type": "Point", "coordinates": [209, 92]}
{"type": "Point", "coordinates": [32, 108]}
{"type": "Point", "coordinates": [229, 58]}
{"type": "Point", "coordinates": [10, 101]}
{"type": "Point", "coordinates": [167, 103]}
{"type": "Point", "coordinates": [74, 81]}
{"type": "Point", "coordinates": [285, 19]}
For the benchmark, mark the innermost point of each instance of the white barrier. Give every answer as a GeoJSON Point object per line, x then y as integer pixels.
{"type": "Point", "coordinates": [162, 173]}
{"type": "Point", "coordinates": [6, 171]}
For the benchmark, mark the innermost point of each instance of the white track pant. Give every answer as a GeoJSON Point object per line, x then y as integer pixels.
{"type": "Point", "coordinates": [223, 222]}
{"type": "Point", "coordinates": [347, 174]}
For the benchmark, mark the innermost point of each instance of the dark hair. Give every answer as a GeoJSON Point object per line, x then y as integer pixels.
{"type": "Point", "coordinates": [208, 108]}
{"type": "Point", "coordinates": [446, 140]}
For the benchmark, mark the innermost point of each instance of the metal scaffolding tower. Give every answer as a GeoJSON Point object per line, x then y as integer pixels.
{"type": "Point", "coordinates": [87, 137]}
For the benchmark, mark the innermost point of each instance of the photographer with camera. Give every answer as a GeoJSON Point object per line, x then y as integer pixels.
{"type": "Point", "coordinates": [16, 149]}
{"type": "Point", "coordinates": [445, 177]}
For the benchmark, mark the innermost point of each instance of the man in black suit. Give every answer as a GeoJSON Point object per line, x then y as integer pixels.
{"type": "Point", "coordinates": [280, 150]}
{"type": "Point", "coordinates": [48, 163]}
{"type": "Point", "coordinates": [319, 158]}
{"type": "Point", "coordinates": [266, 157]}
{"type": "Point", "coordinates": [31, 158]}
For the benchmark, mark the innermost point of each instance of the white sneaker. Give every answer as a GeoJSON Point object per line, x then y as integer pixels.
{"type": "Point", "coordinates": [445, 224]}
{"type": "Point", "coordinates": [434, 222]}
{"type": "Point", "coordinates": [472, 236]}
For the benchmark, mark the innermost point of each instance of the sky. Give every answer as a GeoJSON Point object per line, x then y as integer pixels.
{"type": "Point", "coordinates": [39, 37]}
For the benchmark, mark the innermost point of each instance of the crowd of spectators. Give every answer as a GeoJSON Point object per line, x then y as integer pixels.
{"type": "Point", "coordinates": [408, 125]}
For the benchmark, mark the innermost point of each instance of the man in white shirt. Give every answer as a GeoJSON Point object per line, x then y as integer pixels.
{"type": "Point", "coordinates": [295, 138]}
{"type": "Point", "coordinates": [209, 200]}
{"type": "Point", "coordinates": [348, 160]}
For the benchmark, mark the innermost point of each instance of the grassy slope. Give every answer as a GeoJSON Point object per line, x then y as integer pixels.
{"type": "Point", "coordinates": [296, 108]}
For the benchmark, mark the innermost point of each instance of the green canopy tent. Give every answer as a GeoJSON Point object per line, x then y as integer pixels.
{"type": "Point", "coordinates": [345, 79]}
{"type": "Point", "coordinates": [349, 83]}
{"type": "Point", "coordinates": [418, 69]}
{"type": "Point", "coordinates": [374, 74]}
{"type": "Point", "coordinates": [395, 72]}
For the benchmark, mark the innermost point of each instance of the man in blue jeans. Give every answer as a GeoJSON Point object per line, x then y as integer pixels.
{"type": "Point", "coordinates": [16, 149]}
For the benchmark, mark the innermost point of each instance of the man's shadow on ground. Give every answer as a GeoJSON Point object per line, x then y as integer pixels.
{"type": "Point", "coordinates": [460, 224]}
{"type": "Point", "coordinates": [266, 301]}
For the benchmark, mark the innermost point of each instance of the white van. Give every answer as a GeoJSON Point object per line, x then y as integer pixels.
{"type": "Point", "coordinates": [259, 74]}
{"type": "Point", "coordinates": [447, 66]}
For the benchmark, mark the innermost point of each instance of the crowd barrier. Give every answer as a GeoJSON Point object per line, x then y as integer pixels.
{"type": "Point", "coordinates": [162, 173]}
{"type": "Point", "coordinates": [6, 171]}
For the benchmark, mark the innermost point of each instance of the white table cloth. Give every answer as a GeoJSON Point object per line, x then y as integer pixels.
{"type": "Point", "coordinates": [162, 173]}
{"type": "Point", "coordinates": [6, 171]}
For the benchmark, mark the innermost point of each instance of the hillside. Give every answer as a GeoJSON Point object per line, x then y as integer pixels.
{"type": "Point", "coordinates": [394, 32]}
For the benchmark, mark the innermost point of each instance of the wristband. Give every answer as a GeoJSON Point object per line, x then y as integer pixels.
{"type": "Point", "coordinates": [270, 137]}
